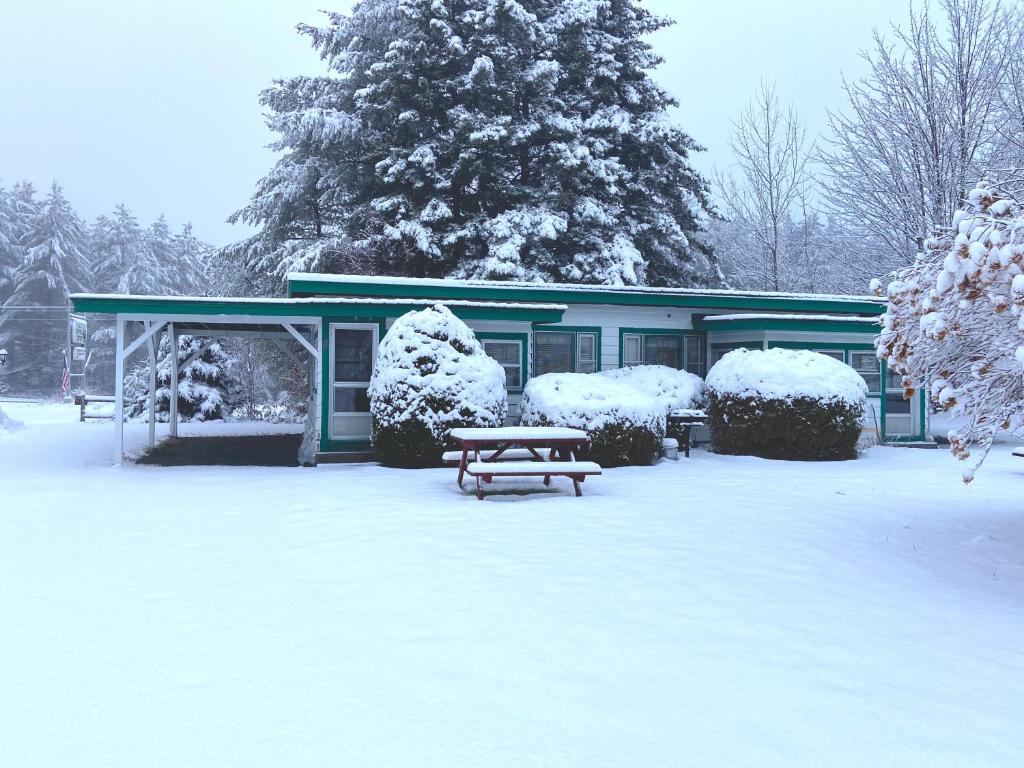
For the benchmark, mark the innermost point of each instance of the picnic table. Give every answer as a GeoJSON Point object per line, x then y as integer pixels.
{"type": "Point", "coordinates": [551, 453]}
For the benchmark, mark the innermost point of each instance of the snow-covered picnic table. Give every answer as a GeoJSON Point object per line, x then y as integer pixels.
{"type": "Point", "coordinates": [554, 447]}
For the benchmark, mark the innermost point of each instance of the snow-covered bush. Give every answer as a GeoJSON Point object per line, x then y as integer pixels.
{"type": "Point", "coordinates": [671, 387]}
{"type": "Point", "coordinates": [785, 404]}
{"type": "Point", "coordinates": [956, 320]}
{"type": "Point", "coordinates": [623, 425]}
{"type": "Point", "coordinates": [431, 376]}
{"type": "Point", "coordinates": [205, 386]}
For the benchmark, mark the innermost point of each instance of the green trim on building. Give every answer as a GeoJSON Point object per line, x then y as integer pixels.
{"type": "Point", "coordinates": [788, 324]}
{"type": "Point", "coordinates": [524, 341]}
{"type": "Point", "coordinates": [812, 345]}
{"type": "Point", "coordinates": [584, 295]}
{"type": "Point", "coordinates": [299, 308]}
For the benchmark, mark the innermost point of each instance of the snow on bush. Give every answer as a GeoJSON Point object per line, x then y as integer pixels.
{"type": "Point", "coordinates": [956, 320]}
{"type": "Point", "coordinates": [785, 404]}
{"type": "Point", "coordinates": [673, 388]}
{"type": "Point", "coordinates": [431, 376]}
{"type": "Point", "coordinates": [623, 425]}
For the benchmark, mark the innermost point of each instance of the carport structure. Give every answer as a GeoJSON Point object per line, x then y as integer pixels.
{"type": "Point", "coordinates": [142, 320]}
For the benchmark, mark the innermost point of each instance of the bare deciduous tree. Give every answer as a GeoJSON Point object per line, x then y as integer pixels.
{"type": "Point", "coordinates": [771, 180]}
{"type": "Point", "coordinates": [920, 127]}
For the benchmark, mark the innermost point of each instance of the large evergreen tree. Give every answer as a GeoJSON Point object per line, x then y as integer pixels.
{"type": "Point", "coordinates": [33, 323]}
{"type": "Point", "coordinates": [513, 140]}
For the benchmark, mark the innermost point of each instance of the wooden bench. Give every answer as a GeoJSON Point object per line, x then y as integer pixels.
{"type": "Point", "coordinates": [577, 471]}
{"type": "Point", "coordinates": [1019, 451]}
{"type": "Point", "coordinates": [509, 454]}
{"type": "Point", "coordinates": [548, 452]}
{"type": "Point", "coordinates": [83, 401]}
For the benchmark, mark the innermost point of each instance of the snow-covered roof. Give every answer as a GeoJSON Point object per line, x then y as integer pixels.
{"type": "Point", "coordinates": [627, 289]}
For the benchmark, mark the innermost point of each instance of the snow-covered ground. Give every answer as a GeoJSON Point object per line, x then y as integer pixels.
{"type": "Point", "coordinates": [711, 611]}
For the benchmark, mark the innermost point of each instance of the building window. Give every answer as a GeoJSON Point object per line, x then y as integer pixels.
{"type": "Point", "coordinates": [835, 354]}
{"type": "Point", "coordinates": [565, 352]}
{"type": "Point", "coordinates": [586, 352]}
{"type": "Point", "coordinates": [509, 355]}
{"type": "Point", "coordinates": [670, 349]}
{"type": "Point", "coordinates": [868, 366]}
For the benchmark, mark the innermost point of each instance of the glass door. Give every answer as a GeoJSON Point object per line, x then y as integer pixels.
{"type": "Point", "coordinates": [353, 353]}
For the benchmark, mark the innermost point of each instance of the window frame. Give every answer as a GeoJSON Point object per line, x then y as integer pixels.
{"type": "Point", "coordinates": [576, 331]}
{"type": "Point", "coordinates": [683, 335]}
{"type": "Point", "coordinates": [518, 338]}
{"type": "Point", "coordinates": [880, 390]}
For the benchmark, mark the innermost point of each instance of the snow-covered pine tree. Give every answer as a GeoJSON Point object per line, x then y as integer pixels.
{"type": "Point", "coordinates": [206, 387]}
{"type": "Point", "coordinates": [125, 261]}
{"type": "Point", "coordinates": [9, 255]}
{"type": "Point", "coordinates": [189, 257]}
{"type": "Point", "coordinates": [637, 209]}
{"type": "Point", "coordinates": [33, 323]}
{"type": "Point", "coordinates": [512, 140]}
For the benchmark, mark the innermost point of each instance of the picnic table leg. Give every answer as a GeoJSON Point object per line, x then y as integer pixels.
{"type": "Point", "coordinates": [462, 463]}
{"type": "Point", "coordinates": [479, 489]}
{"type": "Point", "coordinates": [576, 485]}
{"type": "Point", "coordinates": [686, 440]}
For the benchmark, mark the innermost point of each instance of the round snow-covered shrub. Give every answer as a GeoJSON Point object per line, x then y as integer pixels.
{"type": "Point", "coordinates": [623, 425]}
{"type": "Point", "coordinates": [785, 404]}
{"type": "Point", "coordinates": [431, 376]}
{"type": "Point", "coordinates": [671, 387]}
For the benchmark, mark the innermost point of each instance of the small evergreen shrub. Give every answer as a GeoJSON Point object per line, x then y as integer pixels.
{"type": "Point", "coordinates": [431, 376]}
{"type": "Point", "coordinates": [206, 387]}
{"type": "Point", "coordinates": [785, 404]}
{"type": "Point", "coordinates": [624, 426]}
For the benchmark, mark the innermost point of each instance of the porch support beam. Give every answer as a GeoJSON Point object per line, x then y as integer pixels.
{"type": "Point", "coordinates": [119, 390]}
{"type": "Point", "coordinates": [311, 348]}
{"type": "Point", "coordinates": [151, 341]}
{"type": "Point", "coordinates": [172, 416]}
{"type": "Point", "coordinates": [150, 329]}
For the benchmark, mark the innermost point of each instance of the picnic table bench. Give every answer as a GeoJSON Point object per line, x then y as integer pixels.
{"type": "Point", "coordinates": [1019, 451]}
{"type": "Point", "coordinates": [83, 401]}
{"type": "Point", "coordinates": [681, 421]}
{"type": "Point", "coordinates": [539, 452]}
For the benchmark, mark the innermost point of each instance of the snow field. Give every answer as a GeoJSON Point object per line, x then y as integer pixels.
{"type": "Point", "coordinates": [711, 611]}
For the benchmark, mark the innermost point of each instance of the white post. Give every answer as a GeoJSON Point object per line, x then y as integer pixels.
{"type": "Point", "coordinates": [151, 342]}
{"type": "Point", "coordinates": [119, 390]}
{"type": "Point", "coordinates": [173, 414]}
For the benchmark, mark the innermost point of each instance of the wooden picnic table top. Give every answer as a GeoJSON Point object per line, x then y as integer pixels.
{"type": "Point", "coordinates": [518, 435]}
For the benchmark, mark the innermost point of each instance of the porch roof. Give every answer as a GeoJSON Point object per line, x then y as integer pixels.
{"type": "Point", "coordinates": [248, 311]}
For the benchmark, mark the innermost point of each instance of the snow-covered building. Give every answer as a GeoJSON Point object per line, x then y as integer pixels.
{"type": "Point", "coordinates": [529, 328]}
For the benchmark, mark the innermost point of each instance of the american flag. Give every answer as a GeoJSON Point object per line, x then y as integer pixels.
{"type": "Point", "coordinates": [65, 377]}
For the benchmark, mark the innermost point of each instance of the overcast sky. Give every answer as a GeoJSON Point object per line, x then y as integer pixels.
{"type": "Point", "coordinates": [154, 103]}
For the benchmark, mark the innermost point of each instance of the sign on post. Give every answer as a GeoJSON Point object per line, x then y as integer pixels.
{"type": "Point", "coordinates": [79, 331]}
